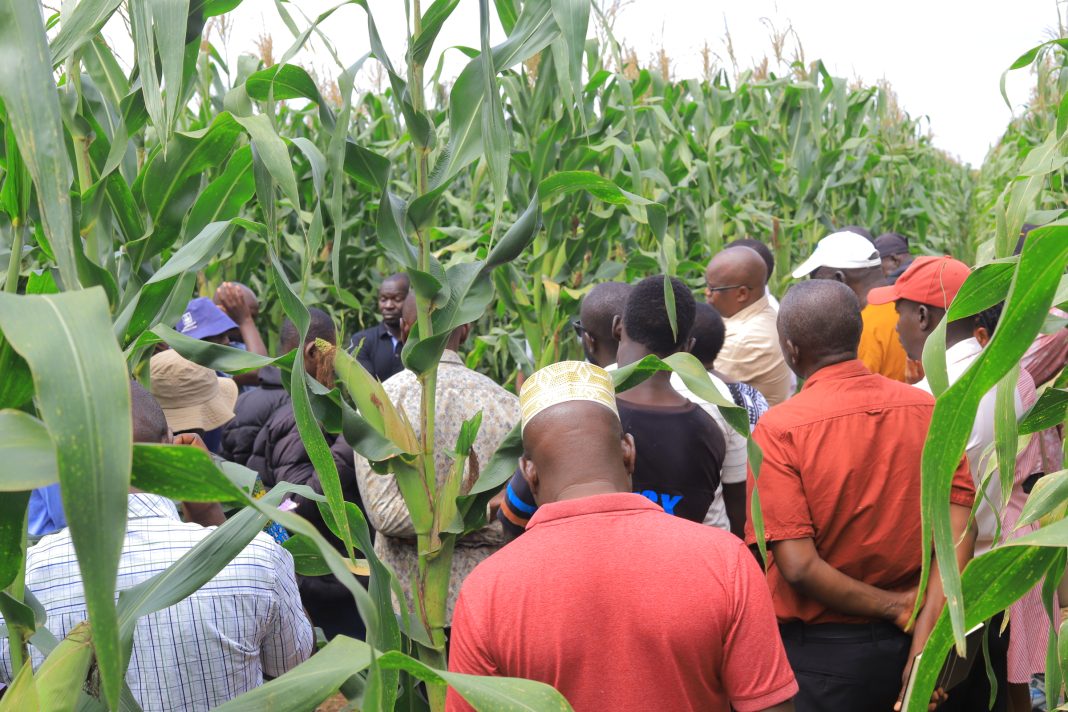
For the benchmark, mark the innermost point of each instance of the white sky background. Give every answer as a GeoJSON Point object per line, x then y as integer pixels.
{"type": "Point", "coordinates": [944, 58]}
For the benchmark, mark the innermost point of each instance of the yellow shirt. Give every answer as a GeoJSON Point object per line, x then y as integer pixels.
{"type": "Point", "coordinates": [751, 352]}
{"type": "Point", "coordinates": [880, 349]}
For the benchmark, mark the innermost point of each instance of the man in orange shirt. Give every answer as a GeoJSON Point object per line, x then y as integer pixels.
{"type": "Point", "coordinates": [840, 496]}
{"type": "Point", "coordinates": [848, 258]}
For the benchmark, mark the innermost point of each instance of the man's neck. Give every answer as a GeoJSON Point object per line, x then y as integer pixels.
{"type": "Point", "coordinates": [394, 331]}
{"type": "Point", "coordinates": [587, 488]}
{"type": "Point", "coordinates": [863, 286]}
{"type": "Point", "coordinates": [604, 359]}
{"type": "Point", "coordinates": [655, 390]}
{"type": "Point", "coordinates": [753, 299]}
{"type": "Point", "coordinates": [806, 371]}
{"type": "Point", "coordinates": [959, 330]}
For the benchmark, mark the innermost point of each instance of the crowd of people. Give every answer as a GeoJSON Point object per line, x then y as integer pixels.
{"type": "Point", "coordinates": [620, 563]}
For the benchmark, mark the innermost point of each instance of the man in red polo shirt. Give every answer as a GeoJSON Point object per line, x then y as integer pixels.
{"type": "Point", "coordinates": [840, 494]}
{"type": "Point", "coordinates": [615, 603]}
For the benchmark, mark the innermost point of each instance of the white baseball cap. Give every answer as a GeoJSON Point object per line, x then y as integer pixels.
{"type": "Point", "coordinates": [840, 250]}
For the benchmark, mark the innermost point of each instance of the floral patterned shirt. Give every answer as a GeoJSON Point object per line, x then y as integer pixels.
{"type": "Point", "coordinates": [461, 393]}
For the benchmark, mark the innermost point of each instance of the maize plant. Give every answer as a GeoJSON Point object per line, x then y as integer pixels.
{"type": "Point", "coordinates": [546, 166]}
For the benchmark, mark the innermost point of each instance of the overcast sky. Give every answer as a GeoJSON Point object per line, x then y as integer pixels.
{"type": "Point", "coordinates": [944, 58]}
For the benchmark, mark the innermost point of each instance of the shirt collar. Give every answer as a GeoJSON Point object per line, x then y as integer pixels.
{"type": "Point", "coordinates": [142, 505]}
{"type": "Point", "coordinates": [616, 502]}
{"type": "Point", "coordinates": [963, 350]}
{"type": "Point", "coordinates": [751, 310]}
{"type": "Point", "coordinates": [852, 368]}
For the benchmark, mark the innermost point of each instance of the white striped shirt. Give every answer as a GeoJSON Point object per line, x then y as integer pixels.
{"type": "Point", "coordinates": [219, 642]}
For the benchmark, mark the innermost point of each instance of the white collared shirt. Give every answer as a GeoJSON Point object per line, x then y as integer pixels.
{"type": "Point", "coordinates": [206, 649]}
{"type": "Point", "coordinates": [979, 448]}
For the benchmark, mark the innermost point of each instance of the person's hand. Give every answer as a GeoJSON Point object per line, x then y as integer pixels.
{"type": "Point", "coordinates": [494, 505]}
{"type": "Point", "coordinates": [231, 300]}
{"type": "Point", "coordinates": [938, 697]}
{"type": "Point", "coordinates": [904, 604]}
{"type": "Point", "coordinates": [190, 439]}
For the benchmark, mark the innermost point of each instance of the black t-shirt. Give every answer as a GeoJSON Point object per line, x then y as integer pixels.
{"type": "Point", "coordinates": [680, 453]}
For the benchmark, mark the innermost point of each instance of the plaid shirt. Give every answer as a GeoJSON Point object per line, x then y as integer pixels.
{"type": "Point", "coordinates": [219, 642]}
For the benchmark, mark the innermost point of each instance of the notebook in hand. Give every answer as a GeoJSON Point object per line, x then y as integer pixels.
{"type": "Point", "coordinates": [956, 668]}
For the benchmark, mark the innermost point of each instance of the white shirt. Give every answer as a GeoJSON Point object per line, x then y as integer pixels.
{"type": "Point", "coordinates": [980, 443]}
{"type": "Point", "coordinates": [751, 352]}
{"type": "Point", "coordinates": [206, 649]}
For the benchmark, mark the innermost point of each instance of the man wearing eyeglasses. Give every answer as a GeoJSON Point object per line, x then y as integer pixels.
{"type": "Point", "coordinates": [735, 287]}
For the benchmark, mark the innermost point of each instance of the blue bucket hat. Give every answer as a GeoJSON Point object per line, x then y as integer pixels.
{"type": "Point", "coordinates": [202, 320]}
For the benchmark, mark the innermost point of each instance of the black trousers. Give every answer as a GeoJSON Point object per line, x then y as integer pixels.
{"type": "Point", "coordinates": [973, 695]}
{"type": "Point", "coordinates": [840, 668]}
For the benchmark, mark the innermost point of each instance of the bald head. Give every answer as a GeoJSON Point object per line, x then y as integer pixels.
{"type": "Point", "coordinates": [735, 278]}
{"type": "Point", "coordinates": [819, 325]}
{"type": "Point", "coordinates": [576, 449]}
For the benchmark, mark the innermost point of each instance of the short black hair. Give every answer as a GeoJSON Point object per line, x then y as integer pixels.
{"type": "Point", "coordinates": [989, 318]}
{"type": "Point", "coordinates": [709, 333]}
{"type": "Point", "coordinates": [646, 319]}
{"type": "Point", "coordinates": [757, 246]}
{"type": "Point", "coordinates": [149, 422]}
{"type": "Point", "coordinates": [601, 305]}
{"type": "Point", "coordinates": [821, 317]}
{"type": "Point", "coordinates": [398, 277]}
{"type": "Point", "coordinates": [321, 326]}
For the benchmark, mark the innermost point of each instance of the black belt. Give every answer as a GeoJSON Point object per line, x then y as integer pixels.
{"type": "Point", "coordinates": [839, 632]}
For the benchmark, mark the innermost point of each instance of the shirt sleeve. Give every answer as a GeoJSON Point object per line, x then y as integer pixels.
{"type": "Point", "coordinates": [467, 651]}
{"type": "Point", "coordinates": [782, 494]}
{"type": "Point", "coordinates": [289, 638]}
{"type": "Point", "coordinates": [735, 458]}
{"type": "Point", "coordinates": [963, 488]}
{"type": "Point", "coordinates": [518, 505]}
{"type": "Point", "coordinates": [756, 674]}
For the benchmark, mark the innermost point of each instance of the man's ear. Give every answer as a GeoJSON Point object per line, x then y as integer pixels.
{"type": "Point", "coordinates": [530, 475]}
{"type": "Point", "coordinates": [617, 327]}
{"type": "Point", "coordinates": [839, 276]}
{"type": "Point", "coordinates": [465, 331]}
{"type": "Point", "coordinates": [630, 453]}
{"type": "Point", "coordinates": [792, 354]}
{"type": "Point", "coordinates": [743, 294]}
{"type": "Point", "coordinates": [690, 343]}
{"type": "Point", "coordinates": [923, 318]}
{"type": "Point", "coordinates": [981, 335]}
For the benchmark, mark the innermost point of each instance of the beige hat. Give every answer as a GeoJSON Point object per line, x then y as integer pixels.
{"type": "Point", "coordinates": [192, 396]}
{"type": "Point", "coordinates": [566, 381]}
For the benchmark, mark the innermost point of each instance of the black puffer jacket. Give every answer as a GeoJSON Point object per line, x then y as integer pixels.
{"type": "Point", "coordinates": [279, 456]}
{"type": "Point", "coordinates": [278, 453]}
{"type": "Point", "coordinates": [252, 412]}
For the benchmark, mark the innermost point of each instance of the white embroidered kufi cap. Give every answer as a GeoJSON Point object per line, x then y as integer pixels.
{"type": "Point", "coordinates": [566, 381]}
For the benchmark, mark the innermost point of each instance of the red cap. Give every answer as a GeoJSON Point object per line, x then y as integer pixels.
{"type": "Point", "coordinates": [933, 281]}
